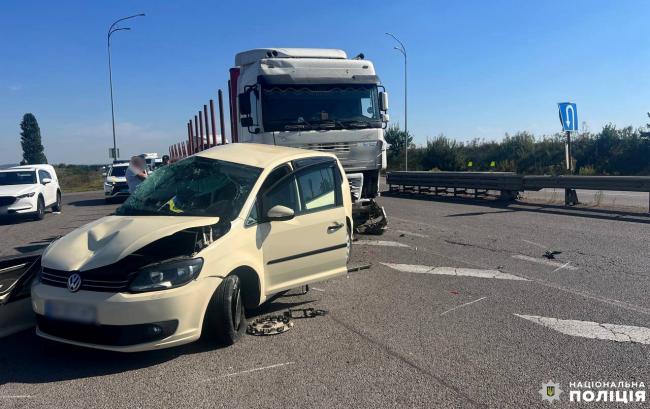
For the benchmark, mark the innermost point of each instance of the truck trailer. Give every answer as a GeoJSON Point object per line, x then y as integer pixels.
{"type": "Point", "coordinates": [317, 99]}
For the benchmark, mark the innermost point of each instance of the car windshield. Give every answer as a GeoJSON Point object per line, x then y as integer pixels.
{"type": "Point", "coordinates": [193, 187]}
{"type": "Point", "coordinates": [320, 107]}
{"type": "Point", "coordinates": [118, 171]}
{"type": "Point", "coordinates": [17, 178]}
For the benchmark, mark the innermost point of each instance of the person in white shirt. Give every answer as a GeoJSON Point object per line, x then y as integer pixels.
{"type": "Point", "coordinates": [136, 173]}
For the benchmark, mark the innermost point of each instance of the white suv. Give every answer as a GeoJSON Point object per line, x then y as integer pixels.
{"type": "Point", "coordinates": [115, 182]}
{"type": "Point", "coordinates": [29, 190]}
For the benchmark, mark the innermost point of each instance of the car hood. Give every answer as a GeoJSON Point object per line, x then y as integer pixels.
{"type": "Point", "coordinates": [109, 239]}
{"type": "Point", "coordinates": [15, 190]}
{"type": "Point", "coordinates": [116, 178]}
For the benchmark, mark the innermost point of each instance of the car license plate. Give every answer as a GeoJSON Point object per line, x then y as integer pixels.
{"type": "Point", "coordinates": [71, 312]}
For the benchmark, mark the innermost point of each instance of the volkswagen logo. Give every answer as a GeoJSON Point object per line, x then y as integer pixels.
{"type": "Point", "coordinates": [74, 282]}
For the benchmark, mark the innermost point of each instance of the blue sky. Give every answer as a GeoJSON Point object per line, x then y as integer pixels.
{"type": "Point", "coordinates": [476, 68]}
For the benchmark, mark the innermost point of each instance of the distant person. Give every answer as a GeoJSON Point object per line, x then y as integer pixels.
{"type": "Point", "coordinates": [165, 160]}
{"type": "Point", "coordinates": [136, 173]}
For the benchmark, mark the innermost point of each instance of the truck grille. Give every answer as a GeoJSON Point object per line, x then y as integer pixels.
{"type": "Point", "coordinates": [57, 278]}
{"type": "Point", "coordinates": [7, 200]}
{"type": "Point", "coordinates": [333, 147]}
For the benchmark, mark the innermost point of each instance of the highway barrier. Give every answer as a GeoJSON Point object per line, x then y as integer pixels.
{"type": "Point", "coordinates": [510, 184]}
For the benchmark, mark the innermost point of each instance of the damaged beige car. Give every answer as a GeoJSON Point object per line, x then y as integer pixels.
{"type": "Point", "coordinates": [199, 242]}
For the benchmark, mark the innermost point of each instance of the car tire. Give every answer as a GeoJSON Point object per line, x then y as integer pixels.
{"type": "Point", "coordinates": [225, 320]}
{"type": "Point", "coordinates": [40, 209]}
{"type": "Point", "coordinates": [56, 207]}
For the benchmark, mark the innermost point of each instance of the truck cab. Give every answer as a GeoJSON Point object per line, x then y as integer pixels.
{"type": "Point", "coordinates": [313, 99]}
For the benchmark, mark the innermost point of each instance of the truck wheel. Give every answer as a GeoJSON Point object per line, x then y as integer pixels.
{"type": "Point", "coordinates": [40, 209]}
{"type": "Point", "coordinates": [225, 320]}
{"type": "Point", "coordinates": [57, 206]}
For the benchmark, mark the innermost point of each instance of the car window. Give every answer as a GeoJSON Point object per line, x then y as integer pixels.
{"type": "Point", "coordinates": [317, 188]}
{"type": "Point", "coordinates": [283, 194]}
{"type": "Point", "coordinates": [42, 174]}
{"type": "Point", "coordinates": [117, 171]}
{"type": "Point", "coordinates": [275, 175]}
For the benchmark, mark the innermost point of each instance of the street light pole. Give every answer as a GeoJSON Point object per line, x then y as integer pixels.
{"type": "Point", "coordinates": [402, 50]}
{"type": "Point", "coordinates": [113, 28]}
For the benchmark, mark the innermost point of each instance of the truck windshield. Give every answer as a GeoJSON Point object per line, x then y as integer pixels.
{"type": "Point", "coordinates": [17, 178]}
{"type": "Point", "coordinates": [298, 107]}
{"type": "Point", "coordinates": [193, 187]}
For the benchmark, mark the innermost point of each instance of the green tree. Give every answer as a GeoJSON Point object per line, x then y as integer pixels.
{"type": "Point", "coordinates": [30, 139]}
{"type": "Point", "coordinates": [395, 138]}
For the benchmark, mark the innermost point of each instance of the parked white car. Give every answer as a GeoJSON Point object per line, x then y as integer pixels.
{"type": "Point", "coordinates": [115, 183]}
{"type": "Point", "coordinates": [29, 190]}
{"type": "Point", "coordinates": [198, 242]}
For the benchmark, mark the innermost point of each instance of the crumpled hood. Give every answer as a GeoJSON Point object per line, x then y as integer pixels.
{"type": "Point", "coordinates": [15, 190]}
{"type": "Point", "coordinates": [109, 239]}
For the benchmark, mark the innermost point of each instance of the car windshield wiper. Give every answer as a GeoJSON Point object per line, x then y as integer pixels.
{"type": "Point", "coordinates": [330, 124]}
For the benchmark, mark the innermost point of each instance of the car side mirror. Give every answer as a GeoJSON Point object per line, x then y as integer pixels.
{"type": "Point", "coordinates": [279, 213]}
{"type": "Point", "coordinates": [383, 101]}
{"type": "Point", "coordinates": [45, 181]}
{"type": "Point", "coordinates": [104, 174]}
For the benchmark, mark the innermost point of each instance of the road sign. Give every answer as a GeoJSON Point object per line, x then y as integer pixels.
{"type": "Point", "coordinates": [112, 153]}
{"type": "Point", "coordinates": [568, 116]}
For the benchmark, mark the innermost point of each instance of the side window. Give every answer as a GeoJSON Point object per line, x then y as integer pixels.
{"type": "Point", "coordinates": [283, 194]}
{"type": "Point", "coordinates": [318, 188]}
{"type": "Point", "coordinates": [271, 179]}
{"type": "Point", "coordinates": [42, 175]}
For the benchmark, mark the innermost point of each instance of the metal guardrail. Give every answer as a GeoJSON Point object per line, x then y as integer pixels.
{"type": "Point", "coordinates": [510, 184]}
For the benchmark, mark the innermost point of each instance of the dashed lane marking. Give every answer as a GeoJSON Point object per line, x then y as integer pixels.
{"type": "Point", "coordinates": [381, 243]}
{"type": "Point", "coordinates": [593, 330]}
{"type": "Point", "coordinates": [454, 271]}
{"type": "Point", "coordinates": [545, 262]}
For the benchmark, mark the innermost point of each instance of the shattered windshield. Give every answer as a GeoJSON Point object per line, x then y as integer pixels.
{"type": "Point", "coordinates": [301, 107]}
{"type": "Point", "coordinates": [193, 187]}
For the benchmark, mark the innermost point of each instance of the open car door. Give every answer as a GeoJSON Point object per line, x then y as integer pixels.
{"type": "Point", "coordinates": [16, 275]}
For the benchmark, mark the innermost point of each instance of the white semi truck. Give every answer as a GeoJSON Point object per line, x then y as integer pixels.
{"type": "Point", "coordinates": [316, 99]}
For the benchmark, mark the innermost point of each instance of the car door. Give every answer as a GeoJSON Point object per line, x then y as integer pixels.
{"type": "Point", "coordinates": [49, 189]}
{"type": "Point", "coordinates": [312, 245]}
{"type": "Point", "coordinates": [16, 274]}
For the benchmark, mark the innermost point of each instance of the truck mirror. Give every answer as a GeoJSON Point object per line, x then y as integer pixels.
{"type": "Point", "coordinates": [246, 121]}
{"type": "Point", "coordinates": [385, 117]}
{"type": "Point", "coordinates": [383, 101]}
{"type": "Point", "coordinates": [245, 103]}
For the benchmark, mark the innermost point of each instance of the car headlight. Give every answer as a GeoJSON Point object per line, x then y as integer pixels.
{"type": "Point", "coordinates": [166, 275]}
{"type": "Point", "coordinates": [25, 195]}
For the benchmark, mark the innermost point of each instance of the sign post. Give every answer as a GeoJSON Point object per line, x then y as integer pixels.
{"type": "Point", "coordinates": [568, 112]}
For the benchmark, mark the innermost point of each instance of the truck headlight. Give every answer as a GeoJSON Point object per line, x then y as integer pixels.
{"type": "Point", "coordinates": [166, 275]}
{"type": "Point", "coordinates": [25, 195]}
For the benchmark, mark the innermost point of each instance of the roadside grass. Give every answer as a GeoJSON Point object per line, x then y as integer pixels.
{"type": "Point", "coordinates": [79, 178]}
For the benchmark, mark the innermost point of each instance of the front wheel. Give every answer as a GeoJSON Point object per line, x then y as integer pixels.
{"type": "Point", "coordinates": [57, 206]}
{"type": "Point", "coordinates": [40, 209]}
{"type": "Point", "coordinates": [225, 320]}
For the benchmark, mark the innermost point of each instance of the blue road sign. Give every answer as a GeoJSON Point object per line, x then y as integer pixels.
{"type": "Point", "coordinates": [568, 116]}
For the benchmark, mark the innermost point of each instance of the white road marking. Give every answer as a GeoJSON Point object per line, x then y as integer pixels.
{"type": "Point", "coordinates": [408, 233]}
{"type": "Point", "coordinates": [541, 246]}
{"type": "Point", "coordinates": [561, 267]}
{"type": "Point", "coordinates": [15, 396]}
{"type": "Point", "coordinates": [453, 271]}
{"type": "Point", "coordinates": [381, 243]}
{"type": "Point", "coordinates": [252, 370]}
{"type": "Point", "coordinates": [317, 289]}
{"type": "Point", "coordinates": [544, 261]}
{"type": "Point", "coordinates": [462, 305]}
{"type": "Point", "coordinates": [593, 330]}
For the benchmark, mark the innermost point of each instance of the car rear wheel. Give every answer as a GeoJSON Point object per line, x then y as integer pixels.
{"type": "Point", "coordinates": [40, 209]}
{"type": "Point", "coordinates": [225, 320]}
{"type": "Point", "coordinates": [57, 206]}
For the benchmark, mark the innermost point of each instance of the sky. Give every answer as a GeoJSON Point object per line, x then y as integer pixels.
{"type": "Point", "coordinates": [476, 69]}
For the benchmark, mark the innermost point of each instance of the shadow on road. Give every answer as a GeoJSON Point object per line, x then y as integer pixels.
{"type": "Point", "coordinates": [26, 358]}
{"type": "Point", "coordinates": [92, 202]}
{"type": "Point", "coordinates": [510, 207]}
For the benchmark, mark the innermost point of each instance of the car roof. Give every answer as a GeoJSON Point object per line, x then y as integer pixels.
{"type": "Point", "coordinates": [117, 165]}
{"type": "Point", "coordinates": [259, 155]}
{"type": "Point", "coordinates": [30, 167]}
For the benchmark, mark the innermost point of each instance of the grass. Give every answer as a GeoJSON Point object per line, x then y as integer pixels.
{"type": "Point", "coordinates": [79, 178]}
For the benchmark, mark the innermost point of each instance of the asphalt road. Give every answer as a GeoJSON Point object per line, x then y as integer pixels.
{"type": "Point", "coordinates": [459, 309]}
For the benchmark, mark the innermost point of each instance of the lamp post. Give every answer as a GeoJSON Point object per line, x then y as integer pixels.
{"type": "Point", "coordinates": [402, 50]}
{"type": "Point", "coordinates": [113, 28]}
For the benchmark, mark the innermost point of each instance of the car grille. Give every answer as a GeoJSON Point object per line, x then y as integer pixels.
{"type": "Point", "coordinates": [57, 278]}
{"type": "Point", "coordinates": [112, 335]}
{"type": "Point", "coordinates": [7, 200]}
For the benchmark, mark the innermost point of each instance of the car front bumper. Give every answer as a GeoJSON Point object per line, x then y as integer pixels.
{"type": "Point", "coordinates": [125, 322]}
{"type": "Point", "coordinates": [20, 206]}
